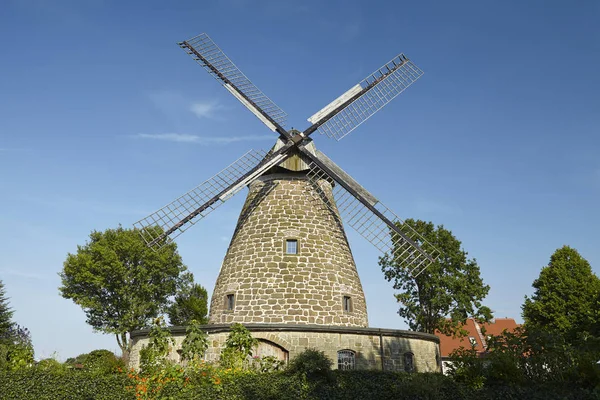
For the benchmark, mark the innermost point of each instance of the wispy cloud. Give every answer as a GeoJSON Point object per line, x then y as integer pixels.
{"type": "Point", "coordinates": [206, 109]}
{"type": "Point", "coordinates": [84, 205]}
{"type": "Point", "coordinates": [7, 149]}
{"type": "Point", "coordinates": [22, 274]}
{"type": "Point", "coordinates": [178, 107]}
{"type": "Point", "coordinates": [202, 140]}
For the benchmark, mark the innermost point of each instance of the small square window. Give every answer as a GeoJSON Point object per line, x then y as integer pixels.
{"type": "Point", "coordinates": [229, 302]}
{"type": "Point", "coordinates": [291, 246]}
{"type": "Point", "coordinates": [347, 304]}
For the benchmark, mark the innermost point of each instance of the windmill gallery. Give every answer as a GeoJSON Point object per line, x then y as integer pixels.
{"type": "Point", "coordinates": [289, 275]}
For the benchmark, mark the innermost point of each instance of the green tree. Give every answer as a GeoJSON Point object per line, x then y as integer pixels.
{"type": "Point", "coordinates": [565, 299]}
{"type": "Point", "coordinates": [444, 295]}
{"type": "Point", "coordinates": [120, 283]}
{"type": "Point", "coordinates": [6, 312]}
{"type": "Point", "coordinates": [191, 303]}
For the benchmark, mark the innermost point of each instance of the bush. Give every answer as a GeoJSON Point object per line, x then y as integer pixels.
{"type": "Point", "coordinates": [51, 364]}
{"type": "Point", "coordinates": [238, 348]}
{"type": "Point", "coordinates": [311, 363]}
{"type": "Point", "coordinates": [195, 343]}
{"type": "Point", "coordinates": [16, 350]}
{"type": "Point", "coordinates": [101, 362]}
{"type": "Point", "coordinates": [40, 384]}
{"type": "Point", "coordinates": [155, 355]}
{"type": "Point", "coordinates": [267, 364]}
{"type": "Point", "coordinates": [526, 358]}
{"type": "Point", "coordinates": [211, 383]}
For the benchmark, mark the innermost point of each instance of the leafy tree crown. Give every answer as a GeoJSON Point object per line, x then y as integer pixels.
{"type": "Point", "coordinates": [444, 295]}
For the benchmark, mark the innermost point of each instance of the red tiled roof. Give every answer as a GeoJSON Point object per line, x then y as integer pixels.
{"type": "Point", "coordinates": [449, 343]}
{"type": "Point", "coordinates": [499, 325]}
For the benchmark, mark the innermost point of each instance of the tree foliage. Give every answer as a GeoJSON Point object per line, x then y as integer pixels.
{"type": "Point", "coordinates": [565, 300]}
{"type": "Point", "coordinates": [156, 354]}
{"type": "Point", "coordinates": [6, 312]}
{"type": "Point", "coordinates": [120, 283]}
{"type": "Point", "coordinates": [450, 288]}
{"type": "Point", "coordinates": [195, 343]}
{"type": "Point", "coordinates": [238, 347]}
{"type": "Point", "coordinates": [529, 356]}
{"type": "Point", "coordinates": [191, 303]}
{"type": "Point", "coordinates": [102, 362]}
{"type": "Point", "coordinates": [311, 363]}
{"type": "Point", "coordinates": [16, 348]}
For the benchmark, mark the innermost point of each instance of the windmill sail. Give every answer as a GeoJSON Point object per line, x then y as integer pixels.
{"type": "Point", "coordinates": [212, 58]}
{"type": "Point", "coordinates": [358, 104]}
{"type": "Point", "coordinates": [359, 208]}
{"type": "Point", "coordinates": [176, 217]}
{"type": "Point", "coordinates": [369, 217]}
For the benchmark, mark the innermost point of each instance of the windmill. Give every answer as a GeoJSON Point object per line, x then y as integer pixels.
{"type": "Point", "coordinates": [290, 240]}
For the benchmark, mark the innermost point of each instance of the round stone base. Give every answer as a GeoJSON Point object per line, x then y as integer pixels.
{"type": "Point", "coordinates": [347, 347]}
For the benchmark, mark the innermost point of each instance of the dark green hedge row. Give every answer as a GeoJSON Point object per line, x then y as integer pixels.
{"type": "Point", "coordinates": [33, 384]}
{"type": "Point", "coordinates": [38, 384]}
{"type": "Point", "coordinates": [365, 385]}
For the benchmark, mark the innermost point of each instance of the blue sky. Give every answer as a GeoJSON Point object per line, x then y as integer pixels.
{"type": "Point", "coordinates": [103, 119]}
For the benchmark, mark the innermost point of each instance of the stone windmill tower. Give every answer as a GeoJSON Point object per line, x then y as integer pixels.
{"type": "Point", "coordinates": [289, 260]}
{"type": "Point", "coordinates": [289, 267]}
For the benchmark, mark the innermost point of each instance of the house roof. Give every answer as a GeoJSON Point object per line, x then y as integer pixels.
{"type": "Point", "coordinates": [496, 327]}
{"type": "Point", "coordinates": [475, 335]}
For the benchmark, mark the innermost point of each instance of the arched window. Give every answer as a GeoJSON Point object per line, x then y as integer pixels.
{"type": "Point", "coordinates": [346, 359]}
{"type": "Point", "coordinates": [409, 365]}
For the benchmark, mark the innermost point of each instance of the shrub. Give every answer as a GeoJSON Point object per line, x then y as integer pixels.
{"type": "Point", "coordinates": [523, 358]}
{"type": "Point", "coordinates": [52, 365]}
{"type": "Point", "coordinates": [267, 364]}
{"type": "Point", "coordinates": [101, 362]}
{"type": "Point", "coordinates": [467, 367]}
{"type": "Point", "coordinates": [16, 349]}
{"type": "Point", "coordinates": [218, 383]}
{"type": "Point", "coordinates": [44, 384]}
{"type": "Point", "coordinates": [238, 348]}
{"type": "Point", "coordinates": [104, 362]}
{"type": "Point", "coordinates": [311, 363]}
{"type": "Point", "coordinates": [155, 354]}
{"type": "Point", "coordinates": [195, 343]}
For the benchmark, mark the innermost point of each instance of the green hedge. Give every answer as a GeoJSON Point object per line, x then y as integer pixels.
{"type": "Point", "coordinates": [36, 384]}
{"type": "Point", "coordinates": [366, 385]}
{"type": "Point", "coordinates": [39, 384]}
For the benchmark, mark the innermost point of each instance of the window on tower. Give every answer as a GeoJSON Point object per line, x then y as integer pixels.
{"type": "Point", "coordinates": [291, 246]}
{"type": "Point", "coordinates": [229, 302]}
{"type": "Point", "coordinates": [347, 304]}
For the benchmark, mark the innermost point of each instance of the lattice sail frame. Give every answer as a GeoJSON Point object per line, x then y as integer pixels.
{"type": "Point", "coordinates": [387, 82]}
{"type": "Point", "coordinates": [156, 224]}
{"type": "Point", "coordinates": [208, 49]}
{"type": "Point", "coordinates": [373, 228]}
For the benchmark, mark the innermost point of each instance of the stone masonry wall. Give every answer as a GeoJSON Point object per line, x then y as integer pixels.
{"type": "Point", "coordinates": [270, 286]}
{"type": "Point", "coordinates": [364, 342]}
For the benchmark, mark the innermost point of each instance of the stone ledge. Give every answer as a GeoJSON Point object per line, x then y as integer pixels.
{"type": "Point", "coordinates": [217, 328]}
